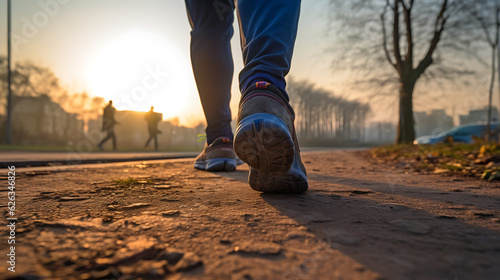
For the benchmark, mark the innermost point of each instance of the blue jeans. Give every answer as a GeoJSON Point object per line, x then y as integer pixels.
{"type": "Point", "coordinates": [268, 30]}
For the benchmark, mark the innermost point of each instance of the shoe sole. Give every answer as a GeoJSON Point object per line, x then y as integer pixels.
{"type": "Point", "coordinates": [264, 142]}
{"type": "Point", "coordinates": [216, 164]}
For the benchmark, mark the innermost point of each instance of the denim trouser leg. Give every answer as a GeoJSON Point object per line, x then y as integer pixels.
{"type": "Point", "coordinates": [268, 32]}
{"type": "Point", "coordinates": [211, 58]}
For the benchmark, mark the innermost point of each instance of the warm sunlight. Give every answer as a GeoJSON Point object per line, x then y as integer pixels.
{"type": "Point", "coordinates": [140, 69]}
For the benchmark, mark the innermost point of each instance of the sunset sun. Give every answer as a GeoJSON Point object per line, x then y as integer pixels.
{"type": "Point", "coordinates": [140, 69]}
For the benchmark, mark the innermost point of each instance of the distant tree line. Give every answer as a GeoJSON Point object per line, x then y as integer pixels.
{"type": "Point", "coordinates": [30, 79]}
{"type": "Point", "coordinates": [320, 115]}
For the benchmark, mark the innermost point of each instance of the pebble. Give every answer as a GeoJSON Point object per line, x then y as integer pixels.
{"type": "Point", "coordinates": [136, 205]}
{"type": "Point", "coordinates": [134, 250]}
{"type": "Point", "coordinates": [73, 198]}
{"type": "Point", "coordinates": [145, 268]}
{"type": "Point", "coordinates": [163, 187]}
{"type": "Point", "coordinates": [187, 262]}
{"type": "Point", "coordinates": [482, 214]}
{"type": "Point", "coordinates": [259, 247]}
{"type": "Point", "coordinates": [296, 234]}
{"type": "Point", "coordinates": [171, 256]}
{"type": "Point", "coordinates": [170, 213]}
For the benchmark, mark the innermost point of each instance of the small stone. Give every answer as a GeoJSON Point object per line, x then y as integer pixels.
{"type": "Point", "coordinates": [100, 274]}
{"type": "Point", "coordinates": [259, 247]}
{"type": "Point", "coordinates": [103, 261]}
{"type": "Point", "coordinates": [135, 249]}
{"type": "Point", "coordinates": [446, 217]}
{"type": "Point", "coordinates": [112, 207]}
{"type": "Point", "coordinates": [170, 213]}
{"type": "Point", "coordinates": [188, 262]}
{"type": "Point", "coordinates": [441, 171]}
{"type": "Point", "coordinates": [73, 198]}
{"type": "Point", "coordinates": [296, 234]}
{"type": "Point", "coordinates": [171, 256]}
{"type": "Point", "coordinates": [168, 199]}
{"type": "Point", "coordinates": [163, 187]}
{"type": "Point", "coordinates": [136, 205]}
{"type": "Point", "coordinates": [492, 165]}
{"type": "Point", "coordinates": [145, 268]}
{"type": "Point", "coordinates": [483, 214]}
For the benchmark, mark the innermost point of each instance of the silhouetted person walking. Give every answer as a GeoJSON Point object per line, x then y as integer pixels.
{"type": "Point", "coordinates": [152, 118]}
{"type": "Point", "coordinates": [108, 125]}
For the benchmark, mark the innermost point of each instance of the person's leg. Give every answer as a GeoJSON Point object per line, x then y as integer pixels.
{"type": "Point", "coordinates": [113, 137]}
{"type": "Point", "coordinates": [268, 32]}
{"type": "Point", "coordinates": [211, 58]}
{"type": "Point", "coordinates": [265, 135]}
{"type": "Point", "coordinates": [108, 136]}
{"type": "Point", "coordinates": [156, 141]}
{"type": "Point", "coordinates": [147, 141]}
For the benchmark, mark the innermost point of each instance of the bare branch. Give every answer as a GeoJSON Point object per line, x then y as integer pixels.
{"type": "Point", "coordinates": [384, 36]}
{"type": "Point", "coordinates": [438, 30]}
{"type": "Point", "coordinates": [395, 34]}
{"type": "Point", "coordinates": [409, 33]}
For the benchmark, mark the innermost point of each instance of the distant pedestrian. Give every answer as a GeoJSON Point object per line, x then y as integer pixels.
{"type": "Point", "coordinates": [152, 118]}
{"type": "Point", "coordinates": [108, 125]}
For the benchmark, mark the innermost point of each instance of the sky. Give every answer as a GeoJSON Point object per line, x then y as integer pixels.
{"type": "Point", "coordinates": [137, 53]}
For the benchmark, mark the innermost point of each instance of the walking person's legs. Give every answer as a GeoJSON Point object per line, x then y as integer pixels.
{"type": "Point", "coordinates": [147, 141]}
{"type": "Point", "coordinates": [104, 140]}
{"type": "Point", "coordinates": [113, 137]}
{"type": "Point", "coordinates": [265, 134]}
{"type": "Point", "coordinates": [211, 58]}
{"type": "Point", "coordinates": [212, 62]}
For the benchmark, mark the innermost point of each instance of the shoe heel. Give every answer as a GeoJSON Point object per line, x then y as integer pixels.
{"type": "Point", "coordinates": [264, 142]}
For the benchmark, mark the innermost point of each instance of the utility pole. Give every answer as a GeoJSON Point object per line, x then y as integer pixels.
{"type": "Point", "coordinates": [497, 23]}
{"type": "Point", "coordinates": [8, 127]}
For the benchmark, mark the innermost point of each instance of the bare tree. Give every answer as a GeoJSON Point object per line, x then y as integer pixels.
{"type": "Point", "coordinates": [29, 79]}
{"type": "Point", "coordinates": [321, 116]}
{"type": "Point", "coordinates": [487, 15]}
{"type": "Point", "coordinates": [406, 37]}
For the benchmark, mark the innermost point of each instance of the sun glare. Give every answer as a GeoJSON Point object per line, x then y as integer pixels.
{"type": "Point", "coordinates": [139, 70]}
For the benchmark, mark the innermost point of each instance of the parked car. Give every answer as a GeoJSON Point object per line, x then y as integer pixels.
{"type": "Point", "coordinates": [462, 133]}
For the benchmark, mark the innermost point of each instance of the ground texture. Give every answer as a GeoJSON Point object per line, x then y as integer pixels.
{"type": "Point", "coordinates": [360, 219]}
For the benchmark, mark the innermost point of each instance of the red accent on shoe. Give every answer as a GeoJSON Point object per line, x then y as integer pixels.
{"type": "Point", "coordinates": [262, 84]}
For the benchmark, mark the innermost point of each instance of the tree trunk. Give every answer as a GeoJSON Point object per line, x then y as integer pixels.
{"type": "Point", "coordinates": [406, 130]}
{"type": "Point", "coordinates": [490, 93]}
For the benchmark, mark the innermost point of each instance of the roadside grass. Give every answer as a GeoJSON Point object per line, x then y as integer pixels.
{"type": "Point", "coordinates": [126, 181]}
{"type": "Point", "coordinates": [472, 160]}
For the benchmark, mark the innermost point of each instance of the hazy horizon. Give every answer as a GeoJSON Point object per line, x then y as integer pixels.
{"type": "Point", "coordinates": [107, 48]}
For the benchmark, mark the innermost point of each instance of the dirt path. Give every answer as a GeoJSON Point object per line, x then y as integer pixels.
{"type": "Point", "coordinates": [360, 220]}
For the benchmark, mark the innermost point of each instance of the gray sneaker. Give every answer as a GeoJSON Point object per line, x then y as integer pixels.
{"type": "Point", "coordinates": [218, 156]}
{"type": "Point", "coordinates": [265, 139]}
